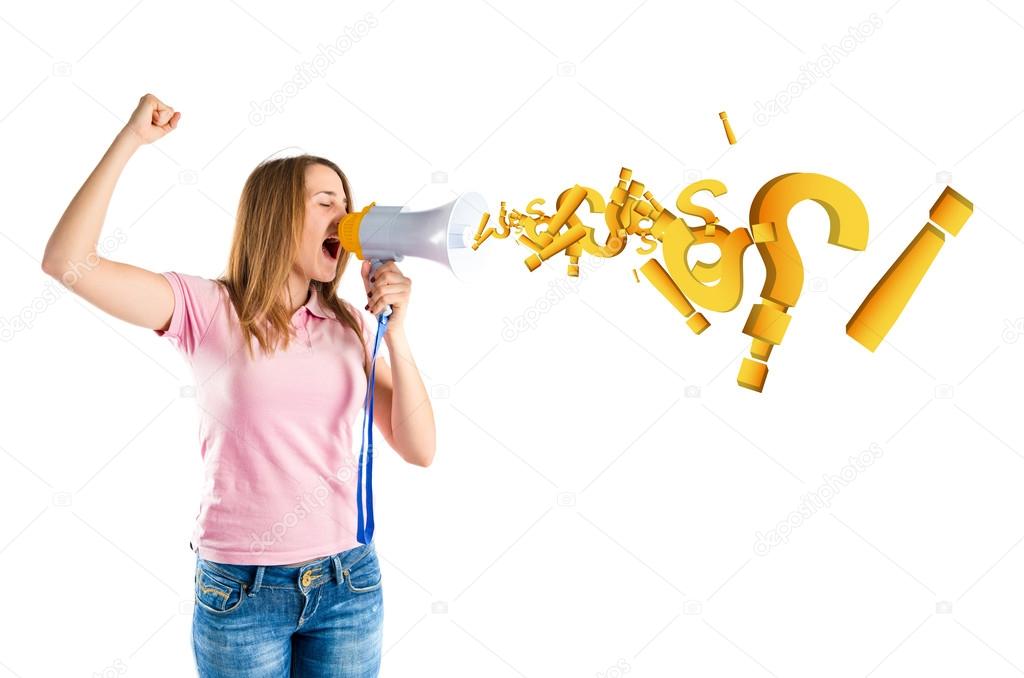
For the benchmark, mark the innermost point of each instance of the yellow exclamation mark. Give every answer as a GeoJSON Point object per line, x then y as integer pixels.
{"type": "Point", "coordinates": [886, 300]}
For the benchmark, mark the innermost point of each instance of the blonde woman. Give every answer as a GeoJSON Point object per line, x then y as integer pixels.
{"type": "Point", "coordinates": [286, 582]}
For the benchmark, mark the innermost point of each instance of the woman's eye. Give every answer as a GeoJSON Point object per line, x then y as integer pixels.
{"type": "Point", "coordinates": [325, 204]}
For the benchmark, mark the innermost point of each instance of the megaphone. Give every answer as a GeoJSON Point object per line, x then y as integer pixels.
{"type": "Point", "coordinates": [444, 234]}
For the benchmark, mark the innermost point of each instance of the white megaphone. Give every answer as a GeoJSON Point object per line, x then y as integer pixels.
{"type": "Point", "coordinates": [444, 234]}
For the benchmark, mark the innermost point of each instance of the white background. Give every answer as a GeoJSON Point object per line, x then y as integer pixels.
{"type": "Point", "coordinates": [584, 515]}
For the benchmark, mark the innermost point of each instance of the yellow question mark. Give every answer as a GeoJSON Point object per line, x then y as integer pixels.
{"type": "Point", "coordinates": [784, 271]}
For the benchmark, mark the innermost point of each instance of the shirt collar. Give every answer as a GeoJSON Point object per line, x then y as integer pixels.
{"type": "Point", "coordinates": [315, 307]}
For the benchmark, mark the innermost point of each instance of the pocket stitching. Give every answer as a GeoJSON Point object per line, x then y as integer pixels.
{"type": "Point", "coordinates": [207, 607]}
{"type": "Point", "coordinates": [361, 589]}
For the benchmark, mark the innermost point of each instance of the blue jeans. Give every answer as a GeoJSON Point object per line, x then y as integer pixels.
{"type": "Point", "coordinates": [324, 618]}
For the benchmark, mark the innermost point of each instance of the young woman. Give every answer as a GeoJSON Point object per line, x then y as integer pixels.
{"type": "Point", "coordinates": [284, 584]}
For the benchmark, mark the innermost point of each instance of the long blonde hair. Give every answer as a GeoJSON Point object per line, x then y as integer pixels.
{"type": "Point", "coordinates": [268, 230]}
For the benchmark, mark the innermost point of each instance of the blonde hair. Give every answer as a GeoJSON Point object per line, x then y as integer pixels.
{"type": "Point", "coordinates": [268, 230]}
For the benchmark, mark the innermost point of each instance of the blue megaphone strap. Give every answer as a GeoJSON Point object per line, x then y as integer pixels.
{"type": "Point", "coordinates": [364, 531]}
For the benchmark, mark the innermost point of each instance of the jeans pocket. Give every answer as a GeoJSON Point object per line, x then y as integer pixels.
{"type": "Point", "coordinates": [217, 593]}
{"type": "Point", "coordinates": [364, 574]}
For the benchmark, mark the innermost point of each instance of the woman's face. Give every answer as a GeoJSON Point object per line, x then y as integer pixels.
{"type": "Point", "coordinates": [326, 204]}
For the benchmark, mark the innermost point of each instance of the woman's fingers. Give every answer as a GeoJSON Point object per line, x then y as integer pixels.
{"type": "Point", "coordinates": [171, 123]}
{"type": "Point", "coordinates": [152, 119]}
{"type": "Point", "coordinates": [379, 306]}
{"type": "Point", "coordinates": [385, 267]}
{"type": "Point", "coordinates": [392, 294]}
{"type": "Point", "coordinates": [162, 113]}
{"type": "Point", "coordinates": [386, 285]}
{"type": "Point", "coordinates": [388, 277]}
{"type": "Point", "coordinates": [390, 288]}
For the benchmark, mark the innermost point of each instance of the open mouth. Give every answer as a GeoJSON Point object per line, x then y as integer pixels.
{"type": "Point", "coordinates": [331, 247]}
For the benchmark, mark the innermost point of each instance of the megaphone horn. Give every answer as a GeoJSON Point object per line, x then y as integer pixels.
{"type": "Point", "coordinates": [444, 234]}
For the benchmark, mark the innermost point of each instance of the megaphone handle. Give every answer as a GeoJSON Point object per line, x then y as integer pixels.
{"type": "Point", "coordinates": [374, 265]}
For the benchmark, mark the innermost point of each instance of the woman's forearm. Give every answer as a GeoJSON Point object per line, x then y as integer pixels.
{"type": "Point", "coordinates": [412, 417]}
{"type": "Point", "coordinates": [78, 230]}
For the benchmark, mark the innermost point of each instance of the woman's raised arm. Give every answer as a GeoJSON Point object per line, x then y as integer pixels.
{"type": "Point", "coordinates": [128, 292]}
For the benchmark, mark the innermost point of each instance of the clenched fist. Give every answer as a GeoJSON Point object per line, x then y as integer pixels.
{"type": "Point", "coordinates": [151, 120]}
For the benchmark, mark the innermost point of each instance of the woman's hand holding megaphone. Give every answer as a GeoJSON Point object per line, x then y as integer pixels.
{"type": "Point", "coordinates": [387, 286]}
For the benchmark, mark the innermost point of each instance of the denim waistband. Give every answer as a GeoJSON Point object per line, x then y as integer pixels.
{"type": "Point", "coordinates": [295, 577]}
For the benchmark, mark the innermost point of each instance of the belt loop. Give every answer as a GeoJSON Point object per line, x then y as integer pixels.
{"type": "Point", "coordinates": [339, 577]}
{"type": "Point", "coordinates": [259, 580]}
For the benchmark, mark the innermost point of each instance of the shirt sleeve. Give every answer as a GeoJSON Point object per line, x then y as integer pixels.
{"type": "Point", "coordinates": [196, 300]}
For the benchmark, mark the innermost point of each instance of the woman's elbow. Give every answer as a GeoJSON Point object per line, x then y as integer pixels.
{"type": "Point", "coordinates": [421, 457]}
{"type": "Point", "coordinates": [423, 460]}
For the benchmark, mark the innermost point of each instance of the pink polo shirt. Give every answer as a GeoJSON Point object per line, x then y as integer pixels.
{"type": "Point", "coordinates": [278, 434]}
